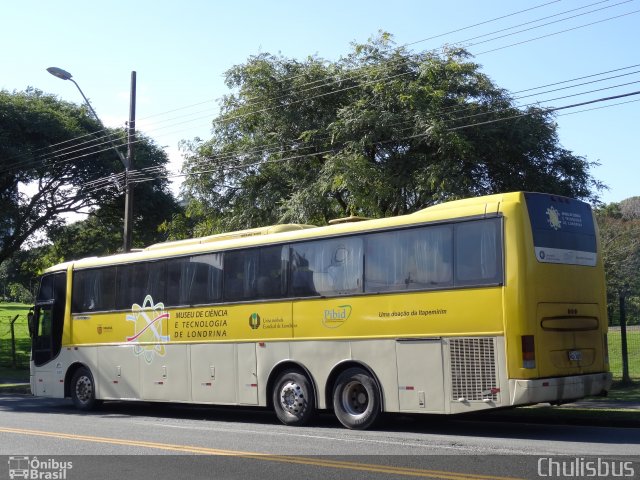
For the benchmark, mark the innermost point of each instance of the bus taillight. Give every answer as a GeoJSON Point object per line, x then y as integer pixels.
{"type": "Point", "coordinates": [528, 352]}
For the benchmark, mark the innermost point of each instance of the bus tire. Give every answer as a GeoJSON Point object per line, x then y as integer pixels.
{"type": "Point", "coordinates": [356, 399]}
{"type": "Point", "coordinates": [293, 398]}
{"type": "Point", "coordinates": [83, 390]}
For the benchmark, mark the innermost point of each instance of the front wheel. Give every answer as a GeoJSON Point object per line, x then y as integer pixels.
{"type": "Point", "coordinates": [293, 398]}
{"type": "Point", "coordinates": [83, 390]}
{"type": "Point", "coordinates": [356, 399]}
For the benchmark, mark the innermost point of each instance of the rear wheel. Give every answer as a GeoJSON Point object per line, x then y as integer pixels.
{"type": "Point", "coordinates": [356, 399]}
{"type": "Point", "coordinates": [293, 398]}
{"type": "Point", "coordinates": [83, 390]}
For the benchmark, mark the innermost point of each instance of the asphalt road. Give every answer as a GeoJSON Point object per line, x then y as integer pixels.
{"type": "Point", "coordinates": [146, 440]}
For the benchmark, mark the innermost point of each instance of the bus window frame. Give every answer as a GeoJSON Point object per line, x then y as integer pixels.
{"type": "Point", "coordinates": [287, 245]}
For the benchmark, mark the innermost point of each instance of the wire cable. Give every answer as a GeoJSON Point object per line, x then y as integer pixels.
{"type": "Point", "coordinates": [544, 110]}
{"type": "Point", "coordinates": [488, 21]}
{"type": "Point", "coordinates": [358, 85]}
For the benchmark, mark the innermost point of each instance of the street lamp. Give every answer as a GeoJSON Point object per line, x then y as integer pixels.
{"type": "Point", "coordinates": [126, 161]}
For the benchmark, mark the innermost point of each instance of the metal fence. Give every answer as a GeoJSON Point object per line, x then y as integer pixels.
{"type": "Point", "coordinates": [624, 338]}
{"type": "Point", "coordinates": [624, 352]}
{"type": "Point", "coordinates": [15, 344]}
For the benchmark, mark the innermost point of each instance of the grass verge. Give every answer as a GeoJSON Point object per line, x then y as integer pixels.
{"type": "Point", "coordinates": [8, 312]}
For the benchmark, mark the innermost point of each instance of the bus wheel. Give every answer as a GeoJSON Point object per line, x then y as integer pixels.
{"type": "Point", "coordinates": [83, 390]}
{"type": "Point", "coordinates": [293, 399]}
{"type": "Point", "coordinates": [356, 399]}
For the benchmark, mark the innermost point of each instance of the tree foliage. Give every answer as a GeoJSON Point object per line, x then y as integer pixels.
{"type": "Point", "coordinates": [620, 238]}
{"type": "Point", "coordinates": [619, 225]}
{"type": "Point", "coordinates": [55, 150]}
{"type": "Point", "coordinates": [17, 292]}
{"type": "Point", "coordinates": [379, 132]}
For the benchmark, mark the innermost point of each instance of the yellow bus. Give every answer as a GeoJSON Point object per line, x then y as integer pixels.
{"type": "Point", "coordinates": [473, 304]}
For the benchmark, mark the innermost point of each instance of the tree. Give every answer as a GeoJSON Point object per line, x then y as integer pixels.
{"type": "Point", "coordinates": [19, 293]}
{"type": "Point", "coordinates": [620, 239]}
{"type": "Point", "coordinates": [619, 225]}
{"type": "Point", "coordinates": [102, 232]}
{"type": "Point", "coordinates": [63, 155]}
{"type": "Point", "coordinates": [380, 132]}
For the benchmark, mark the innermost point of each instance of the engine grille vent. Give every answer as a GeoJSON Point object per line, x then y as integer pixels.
{"type": "Point", "coordinates": [473, 369]}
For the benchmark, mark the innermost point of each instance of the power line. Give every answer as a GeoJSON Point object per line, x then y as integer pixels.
{"type": "Point", "coordinates": [360, 85]}
{"type": "Point", "coordinates": [301, 145]}
{"type": "Point", "coordinates": [405, 45]}
{"type": "Point", "coordinates": [547, 110]}
{"type": "Point", "coordinates": [598, 108]}
{"type": "Point", "coordinates": [558, 33]}
{"type": "Point", "coordinates": [380, 68]}
{"type": "Point", "coordinates": [544, 24]}
{"type": "Point", "coordinates": [389, 63]}
{"type": "Point", "coordinates": [280, 160]}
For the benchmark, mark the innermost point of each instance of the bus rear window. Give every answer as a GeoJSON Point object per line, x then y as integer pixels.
{"type": "Point", "coordinates": [563, 230]}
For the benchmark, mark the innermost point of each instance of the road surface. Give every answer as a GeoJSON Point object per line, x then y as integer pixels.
{"type": "Point", "coordinates": [147, 440]}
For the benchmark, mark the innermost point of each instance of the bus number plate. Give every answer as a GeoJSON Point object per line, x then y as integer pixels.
{"type": "Point", "coordinates": [575, 355]}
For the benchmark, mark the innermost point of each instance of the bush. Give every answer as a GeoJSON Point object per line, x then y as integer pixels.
{"type": "Point", "coordinates": [18, 293]}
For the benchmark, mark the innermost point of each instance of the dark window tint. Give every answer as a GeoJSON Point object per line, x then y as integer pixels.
{"type": "Point", "coordinates": [254, 274]}
{"type": "Point", "coordinates": [46, 289]}
{"type": "Point", "coordinates": [137, 281]}
{"type": "Point", "coordinates": [327, 267]}
{"type": "Point", "coordinates": [478, 252]}
{"type": "Point", "coordinates": [195, 280]}
{"type": "Point", "coordinates": [94, 290]}
{"type": "Point", "coordinates": [409, 259]}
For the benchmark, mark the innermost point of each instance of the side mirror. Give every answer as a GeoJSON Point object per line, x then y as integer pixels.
{"type": "Point", "coordinates": [30, 323]}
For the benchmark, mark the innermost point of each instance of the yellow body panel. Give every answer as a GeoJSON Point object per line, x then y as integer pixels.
{"type": "Point", "coordinates": [407, 315]}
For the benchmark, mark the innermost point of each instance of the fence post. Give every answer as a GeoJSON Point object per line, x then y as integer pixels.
{"type": "Point", "coordinates": [13, 343]}
{"type": "Point", "coordinates": [626, 380]}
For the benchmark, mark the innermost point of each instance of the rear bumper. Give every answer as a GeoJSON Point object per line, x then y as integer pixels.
{"type": "Point", "coordinates": [524, 392]}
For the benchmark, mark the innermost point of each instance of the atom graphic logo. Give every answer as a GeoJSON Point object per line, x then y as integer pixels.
{"type": "Point", "coordinates": [553, 217]}
{"type": "Point", "coordinates": [148, 333]}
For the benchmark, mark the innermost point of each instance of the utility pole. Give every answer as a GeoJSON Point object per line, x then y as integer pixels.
{"type": "Point", "coordinates": [126, 162]}
{"type": "Point", "coordinates": [128, 196]}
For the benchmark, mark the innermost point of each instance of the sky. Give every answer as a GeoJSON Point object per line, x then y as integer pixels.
{"type": "Point", "coordinates": [181, 49]}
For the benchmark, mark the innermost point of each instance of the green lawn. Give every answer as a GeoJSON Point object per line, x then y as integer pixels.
{"type": "Point", "coordinates": [7, 312]}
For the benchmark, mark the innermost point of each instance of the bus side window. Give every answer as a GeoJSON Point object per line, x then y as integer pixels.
{"type": "Point", "coordinates": [327, 267]}
{"type": "Point", "coordinates": [194, 280]}
{"type": "Point", "coordinates": [412, 259]}
{"type": "Point", "coordinates": [93, 290]}
{"type": "Point", "coordinates": [239, 275]}
{"type": "Point", "coordinates": [478, 252]}
{"type": "Point", "coordinates": [156, 281]}
{"type": "Point", "coordinates": [131, 285]}
{"type": "Point", "coordinates": [271, 281]}
{"type": "Point", "coordinates": [301, 274]}
{"type": "Point", "coordinates": [255, 273]}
